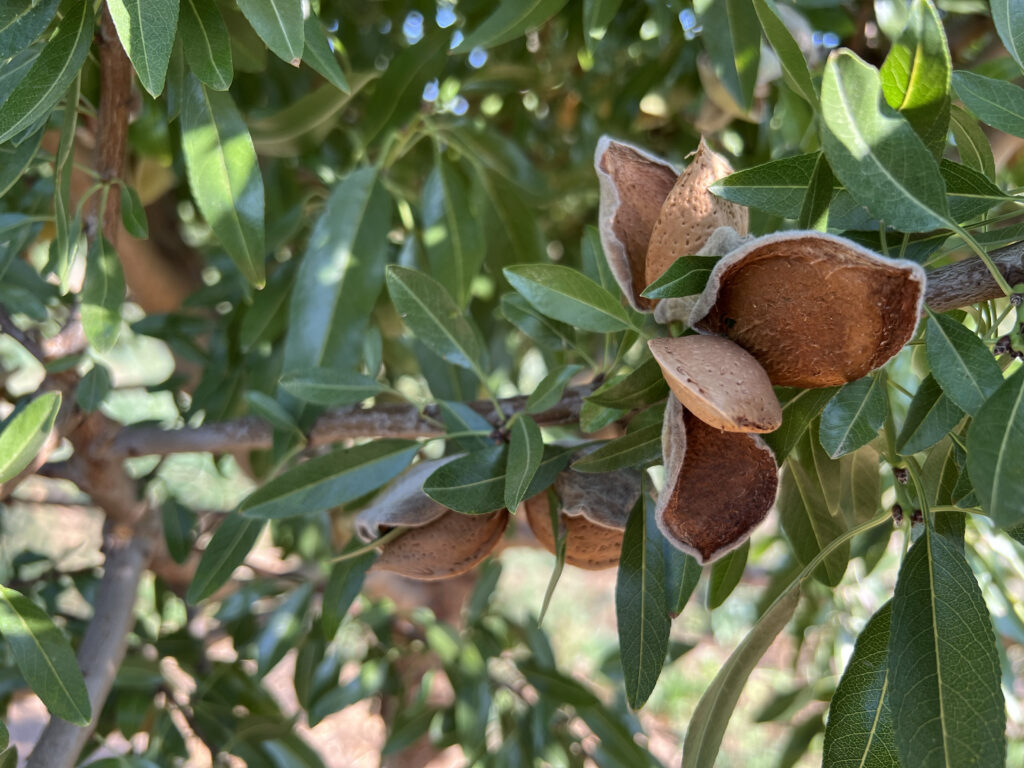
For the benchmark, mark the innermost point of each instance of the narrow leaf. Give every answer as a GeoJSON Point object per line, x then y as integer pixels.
{"type": "Point", "coordinates": [282, 629]}
{"type": "Point", "coordinates": [179, 524]}
{"type": "Point", "coordinates": [636, 448]}
{"type": "Point", "coordinates": [708, 723]}
{"type": "Point", "coordinates": [641, 604]}
{"type": "Point", "coordinates": [433, 317]}
{"type": "Point", "coordinates": [102, 295]}
{"type": "Point", "coordinates": [224, 176]}
{"type": "Point", "coordinates": [534, 325]}
{"type": "Point", "coordinates": [799, 408]}
{"type": "Point", "coordinates": [330, 386]}
{"type": "Point", "coordinates": [859, 730]}
{"type": "Point", "coordinates": [44, 657]}
{"type": "Point", "coordinates": [995, 444]}
{"type": "Point", "coordinates": [330, 480]}
{"type": "Point", "coordinates": [686, 276]}
{"type": "Point", "coordinates": [227, 549]}
{"type": "Point", "coordinates": [549, 391]}
{"type": "Point", "coordinates": [22, 22]}
{"type": "Point", "coordinates": [734, 46]}
{"type": "Point", "coordinates": [51, 73]}
{"type": "Point", "coordinates": [961, 363]}
{"type": "Point", "coordinates": [682, 572]}
{"type": "Point", "coordinates": [133, 213]}
{"type": "Point", "coordinates": [818, 198]}
{"type": "Point", "coordinates": [854, 415]}
{"type": "Point", "coordinates": [25, 432]}
{"type": "Point", "coordinates": [319, 55]}
{"type": "Point", "coordinates": [279, 24]}
{"type": "Point", "coordinates": [511, 19]}
{"type": "Point", "coordinates": [567, 295]}
{"type": "Point", "coordinates": [343, 585]}
{"type": "Point", "coordinates": [791, 58]}
{"type": "Point", "coordinates": [454, 240]}
{"type": "Point", "coordinates": [1007, 15]}
{"type": "Point", "coordinates": [206, 43]}
{"type": "Point", "coordinates": [475, 484]}
{"type": "Point", "coordinates": [971, 142]}
{"type": "Point", "coordinates": [726, 574]}
{"type": "Point", "coordinates": [334, 290]}
{"type": "Point", "coordinates": [916, 75]}
{"type": "Point", "coordinates": [146, 30]}
{"type": "Point", "coordinates": [93, 388]}
{"type": "Point", "coordinates": [875, 152]}
{"type": "Point", "coordinates": [930, 417]}
{"type": "Point", "coordinates": [642, 386]}
{"type": "Point", "coordinates": [945, 694]}
{"type": "Point", "coordinates": [996, 102]}
{"type": "Point", "coordinates": [777, 187]}
{"type": "Point", "coordinates": [525, 449]}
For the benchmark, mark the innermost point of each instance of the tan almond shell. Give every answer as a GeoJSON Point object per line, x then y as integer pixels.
{"type": "Point", "coordinates": [440, 543]}
{"type": "Point", "coordinates": [449, 546]}
{"type": "Point", "coordinates": [594, 508]}
{"type": "Point", "coordinates": [719, 382]}
{"type": "Point", "coordinates": [816, 310]}
{"type": "Point", "coordinates": [634, 185]}
{"type": "Point", "coordinates": [691, 213]}
{"type": "Point", "coordinates": [718, 485]}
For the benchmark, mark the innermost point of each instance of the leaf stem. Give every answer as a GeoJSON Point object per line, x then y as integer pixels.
{"type": "Point", "coordinates": [380, 541]}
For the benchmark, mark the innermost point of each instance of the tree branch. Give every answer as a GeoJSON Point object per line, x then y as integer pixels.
{"type": "Point", "coordinates": [969, 281]}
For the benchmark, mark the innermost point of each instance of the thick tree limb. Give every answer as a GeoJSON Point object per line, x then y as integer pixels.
{"type": "Point", "coordinates": [105, 642]}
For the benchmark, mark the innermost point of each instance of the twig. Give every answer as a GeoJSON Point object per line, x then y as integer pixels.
{"type": "Point", "coordinates": [8, 327]}
{"type": "Point", "coordinates": [969, 281]}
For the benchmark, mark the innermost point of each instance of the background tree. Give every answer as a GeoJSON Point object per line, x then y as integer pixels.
{"type": "Point", "coordinates": [258, 259]}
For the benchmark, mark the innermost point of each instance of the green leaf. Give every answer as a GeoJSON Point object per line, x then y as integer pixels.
{"type": "Point", "coordinates": [25, 432]}
{"type": "Point", "coordinates": [343, 585]}
{"type": "Point", "coordinates": [330, 386]}
{"type": "Point", "coordinates": [561, 534]}
{"type": "Point", "coordinates": [995, 444]}
{"type": "Point", "coordinates": [791, 58]}
{"type": "Point", "coordinates": [859, 730]}
{"type": "Point", "coordinates": [102, 295]}
{"type": "Point", "coordinates": [399, 91]}
{"type": "Point", "coordinates": [945, 693]}
{"type": "Point", "coordinates": [799, 408]}
{"type": "Point", "coordinates": [459, 417]}
{"type": "Point", "coordinates": [968, 191]}
{"type": "Point", "coordinates": [806, 519]}
{"type": "Point", "coordinates": [511, 19]}
{"type": "Point", "coordinates": [318, 54]}
{"type": "Point", "coordinates": [434, 317]}
{"type": "Point", "coordinates": [5, 737]}
{"type": "Point", "coordinates": [685, 277]}
{"type": "Point", "coordinates": [454, 240]}
{"type": "Point", "coordinates": [93, 388]}
{"type": "Point", "coordinates": [179, 524]}
{"type": "Point", "coordinates": [1006, 15]}
{"type": "Point", "coordinates": [996, 102]}
{"type": "Point", "coordinates": [568, 295]}
{"type": "Point", "coordinates": [267, 408]}
{"type": "Point", "coordinates": [726, 574]}
{"type": "Point", "coordinates": [44, 657]}
{"type": "Point", "coordinates": [279, 24]}
{"type": "Point", "coordinates": [206, 43]}
{"type": "Point", "coordinates": [15, 159]}
{"type": "Point", "coordinates": [133, 213]}
{"type": "Point", "coordinates": [474, 484]}
{"type": "Point", "coordinates": [734, 45]}
{"type": "Point", "coordinates": [641, 604]}
{"type": "Point", "coordinates": [854, 415]}
{"type": "Point", "coordinates": [330, 480]}
{"type": "Point", "coordinates": [930, 417]}
{"type": "Point", "coordinates": [682, 572]}
{"type": "Point", "coordinates": [916, 75]}
{"type": "Point", "coordinates": [971, 142]}
{"type": "Point", "coordinates": [874, 151]}
{"type": "Point", "coordinates": [525, 449]}
{"type": "Point", "coordinates": [598, 14]}
{"type": "Point", "coordinates": [282, 630]}
{"type": "Point", "coordinates": [777, 187]}
{"type": "Point", "coordinates": [22, 22]}
{"type": "Point", "coordinates": [65, 222]}
{"type": "Point", "coordinates": [147, 36]}
{"type": "Point", "coordinates": [642, 386]}
{"type": "Point", "coordinates": [636, 448]}
{"type": "Point", "coordinates": [818, 198]}
{"type": "Point", "coordinates": [540, 329]}
{"type": "Point", "coordinates": [961, 363]}
{"type": "Point", "coordinates": [335, 291]}
{"type": "Point", "coordinates": [224, 176]}
{"type": "Point", "coordinates": [549, 391]}
{"type": "Point", "coordinates": [227, 549]}
{"type": "Point", "coordinates": [708, 723]}
{"type": "Point", "coordinates": [51, 73]}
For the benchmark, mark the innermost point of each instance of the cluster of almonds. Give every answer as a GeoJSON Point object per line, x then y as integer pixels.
{"type": "Point", "coordinates": [794, 309]}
